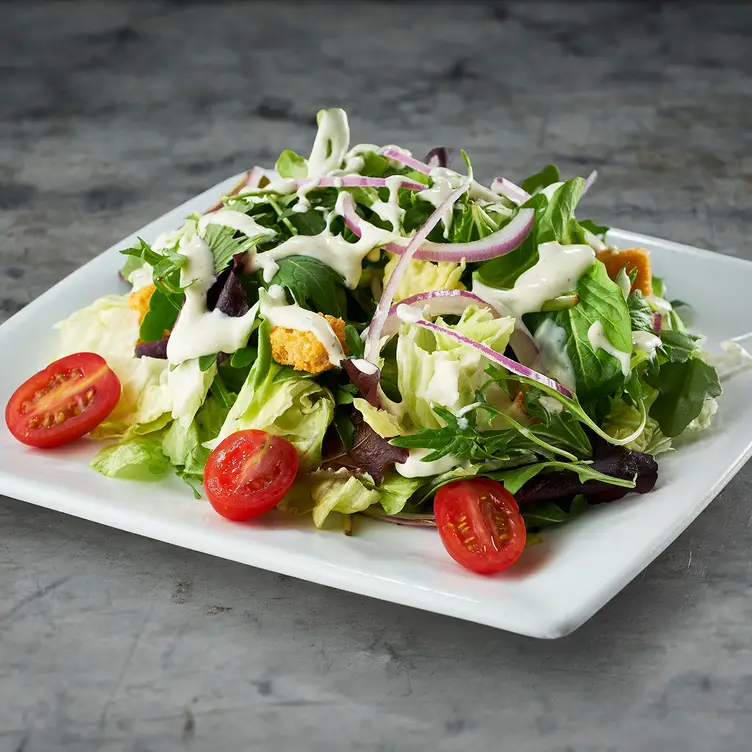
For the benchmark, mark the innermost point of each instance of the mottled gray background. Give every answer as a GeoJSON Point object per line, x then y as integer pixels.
{"type": "Point", "coordinates": [113, 113]}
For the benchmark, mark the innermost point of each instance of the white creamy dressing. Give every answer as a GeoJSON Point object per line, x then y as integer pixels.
{"type": "Point", "coordinates": [594, 241]}
{"type": "Point", "coordinates": [553, 359]}
{"type": "Point", "coordinates": [558, 269]}
{"type": "Point", "coordinates": [599, 341]}
{"type": "Point", "coordinates": [141, 277]}
{"type": "Point", "coordinates": [331, 143]}
{"type": "Point", "coordinates": [659, 304]}
{"type": "Point", "coordinates": [646, 342]}
{"type": "Point", "coordinates": [188, 385]}
{"type": "Point", "coordinates": [365, 366]}
{"type": "Point", "coordinates": [237, 221]}
{"type": "Point", "coordinates": [624, 282]}
{"type": "Point", "coordinates": [332, 250]}
{"type": "Point", "coordinates": [390, 210]}
{"type": "Point", "coordinates": [444, 182]}
{"type": "Point", "coordinates": [414, 467]}
{"type": "Point", "coordinates": [354, 162]}
{"type": "Point", "coordinates": [443, 388]}
{"type": "Point", "coordinates": [275, 309]}
{"type": "Point", "coordinates": [199, 331]}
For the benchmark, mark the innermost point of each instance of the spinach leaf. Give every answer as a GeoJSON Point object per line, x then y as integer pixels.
{"type": "Point", "coordinates": [205, 362]}
{"type": "Point", "coordinates": [307, 223]}
{"type": "Point", "coordinates": [291, 165]}
{"type": "Point", "coordinates": [639, 312]}
{"type": "Point", "coordinates": [557, 221]}
{"type": "Point", "coordinates": [683, 387]}
{"type": "Point", "coordinates": [597, 373]}
{"type": "Point", "coordinates": [540, 180]}
{"type": "Point", "coordinates": [313, 285]}
{"type": "Point", "coordinates": [161, 316]}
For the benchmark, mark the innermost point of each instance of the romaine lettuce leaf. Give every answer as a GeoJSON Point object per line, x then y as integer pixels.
{"type": "Point", "coordinates": [284, 403]}
{"type": "Point", "coordinates": [136, 459]}
{"type": "Point", "coordinates": [425, 276]}
{"type": "Point", "coordinates": [434, 370]}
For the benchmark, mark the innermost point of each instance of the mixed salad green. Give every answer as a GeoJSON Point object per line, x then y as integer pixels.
{"type": "Point", "coordinates": [402, 326]}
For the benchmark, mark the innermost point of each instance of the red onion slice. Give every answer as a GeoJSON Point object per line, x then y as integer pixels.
{"type": "Point", "coordinates": [351, 181]}
{"type": "Point", "coordinates": [387, 296]}
{"type": "Point", "coordinates": [511, 365]}
{"type": "Point", "coordinates": [255, 176]}
{"type": "Point", "coordinates": [233, 191]}
{"type": "Point", "coordinates": [589, 182]}
{"type": "Point", "coordinates": [511, 190]}
{"type": "Point", "coordinates": [403, 518]}
{"type": "Point", "coordinates": [657, 322]}
{"type": "Point", "coordinates": [505, 240]}
{"type": "Point", "coordinates": [397, 156]}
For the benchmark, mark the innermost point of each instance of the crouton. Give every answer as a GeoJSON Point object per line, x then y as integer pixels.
{"type": "Point", "coordinates": [633, 258]}
{"type": "Point", "coordinates": [139, 300]}
{"type": "Point", "coordinates": [302, 350]}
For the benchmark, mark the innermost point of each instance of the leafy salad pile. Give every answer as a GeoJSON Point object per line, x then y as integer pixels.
{"type": "Point", "coordinates": [470, 331]}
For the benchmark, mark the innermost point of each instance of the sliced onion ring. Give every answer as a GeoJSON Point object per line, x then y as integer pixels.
{"type": "Point", "coordinates": [373, 334]}
{"type": "Point", "coordinates": [505, 240]}
{"type": "Point", "coordinates": [511, 190]}
{"type": "Point", "coordinates": [398, 156]}
{"type": "Point", "coordinates": [657, 322]}
{"type": "Point", "coordinates": [351, 181]}
{"type": "Point", "coordinates": [511, 365]}
{"type": "Point", "coordinates": [591, 178]}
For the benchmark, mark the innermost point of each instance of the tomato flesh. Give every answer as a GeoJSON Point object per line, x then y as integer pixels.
{"type": "Point", "coordinates": [480, 524]}
{"type": "Point", "coordinates": [63, 402]}
{"type": "Point", "coordinates": [249, 473]}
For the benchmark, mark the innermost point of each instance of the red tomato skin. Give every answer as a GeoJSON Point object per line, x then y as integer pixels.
{"type": "Point", "coordinates": [63, 402]}
{"type": "Point", "coordinates": [249, 473]}
{"type": "Point", "coordinates": [480, 524]}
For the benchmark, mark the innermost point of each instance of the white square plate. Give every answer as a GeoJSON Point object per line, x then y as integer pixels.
{"type": "Point", "coordinates": [551, 591]}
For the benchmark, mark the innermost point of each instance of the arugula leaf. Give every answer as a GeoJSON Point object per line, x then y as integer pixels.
{"type": "Point", "coordinates": [557, 222]}
{"type": "Point", "coordinates": [683, 387]}
{"type": "Point", "coordinates": [540, 180]}
{"type": "Point", "coordinates": [166, 265]}
{"type": "Point", "coordinates": [291, 165]}
{"type": "Point", "coordinates": [161, 316]}
{"type": "Point", "coordinates": [313, 285]}
{"type": "Point", "coordinates": [598, 230]}
{"type": "Point", "coordinates": [224, 244]}
{"type": "Point", "coordinates": [597, 372]}
{"type": "Point", "coordinates": [639, 312]}
{"type": "Point", "coordinates": [517, 477]}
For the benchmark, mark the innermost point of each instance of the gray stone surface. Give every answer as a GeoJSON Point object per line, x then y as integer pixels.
{"type": "Point", "coordinates": [112, 113]}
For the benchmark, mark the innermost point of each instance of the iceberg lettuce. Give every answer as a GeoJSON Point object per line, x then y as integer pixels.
{"type": "Point", "coordinates": [425, 276]}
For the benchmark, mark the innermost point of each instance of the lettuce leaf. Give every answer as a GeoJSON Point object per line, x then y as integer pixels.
{"type": "Point", "coordinates": [136, 459]}
{"type": "Point", "coordinates": [434, 370]}
{"type": "Point", "coordinates": [110, 328]}
{"type": "Point", "coordinates": [425, 276]}
{"type": "Point", "coordinates": [284, 403]}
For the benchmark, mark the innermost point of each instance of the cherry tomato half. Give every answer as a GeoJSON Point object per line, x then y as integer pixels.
{"type": "Point", "coordinates": [249, 473]}
{"type": "Point", "coordinates": [63, 402]}
{"type": "Point", "coordinates": [480, 524]}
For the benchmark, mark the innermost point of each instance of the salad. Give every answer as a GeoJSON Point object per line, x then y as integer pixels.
{"type": "Point", "coordinates": [364, 332]}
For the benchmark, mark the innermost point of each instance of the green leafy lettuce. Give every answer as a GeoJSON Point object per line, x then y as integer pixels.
{"type": "Point", "coordinates": [283, 402]}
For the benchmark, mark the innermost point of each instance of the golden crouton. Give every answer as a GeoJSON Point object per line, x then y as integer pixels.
{"type": "Point", "coordinates": [633, 258]}
{"type": "Point", "coordinates": [139, 300]}
{"type": "Point", "coordinates": [302, 350]}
